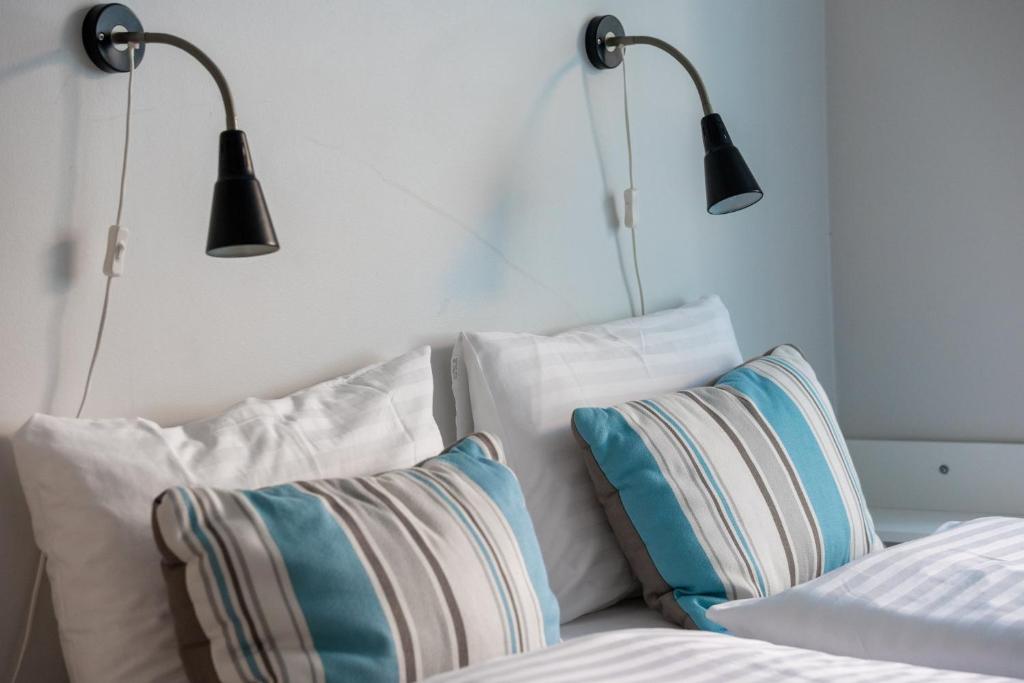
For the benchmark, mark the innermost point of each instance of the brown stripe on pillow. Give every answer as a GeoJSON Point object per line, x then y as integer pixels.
{"type": "Point", "coordinates": [236, 572]}
{"type": "Point", "coordinates": [633, 547]}
{"type": "Point", "coordinates": [707, 489]}
{"type": "Point", "coordinates": [448, 594]}
{"type": "Point", "coordinates": [376, 564]}
{"type": "Point", "coordinates": [756, 476]}
{"type": "Point", "coordinates": [780, 454]}
{"type": "Point", "coordinates": [193, 645]}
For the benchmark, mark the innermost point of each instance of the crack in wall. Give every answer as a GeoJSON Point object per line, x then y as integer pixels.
{"type": "Point", "coordinates": [454, 220]}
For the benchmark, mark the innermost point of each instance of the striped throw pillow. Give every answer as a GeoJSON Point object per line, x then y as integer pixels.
{"type": "Point", "coordinates": [734, 491]}
{"type": "Point", "coordinates": [391, 577]}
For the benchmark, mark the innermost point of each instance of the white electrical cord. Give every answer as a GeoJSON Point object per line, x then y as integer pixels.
{"type": "Point", "coordinates": [631, 192]}
{"type": "Point", "coordinates": [625, 108]}
{"type": "Point", "coordinates": [41, 564]}
{"type": "Point", "coordinates": [29, 617]}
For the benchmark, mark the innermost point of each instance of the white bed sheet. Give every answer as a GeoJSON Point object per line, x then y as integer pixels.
{"type": "Point", "coordinates": [645, 655]}
{"type": "Point", "coordinates": [630, 613]}
{"type": "Point", "coordinates": [952, 600]}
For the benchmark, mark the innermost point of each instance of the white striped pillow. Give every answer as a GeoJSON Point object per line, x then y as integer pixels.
{"type": "Point", "coordinates": [953, 600]}
{"type": "Point", "coordinates": [90, 485]}
{"type": "Point", "coordinates": [739, 490]}
{"type": "Point", "coordinates": [392, 577]}
{"type": "Point", "coordinates": [524, 387]}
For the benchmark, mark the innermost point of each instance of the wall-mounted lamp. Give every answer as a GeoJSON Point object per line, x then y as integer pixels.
{"type": "Point", "coordinates": [240, 224]}
{"type": "Point", "coordinates": [730, 184]}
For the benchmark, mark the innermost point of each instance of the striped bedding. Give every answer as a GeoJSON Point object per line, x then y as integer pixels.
{"type": "Point", "coordinates": [953, 600]}
{"type": "Point", "coordinates": [660, 655]}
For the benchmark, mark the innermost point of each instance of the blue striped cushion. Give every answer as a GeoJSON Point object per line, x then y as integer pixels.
{"type": "Point", "coordinates": [734, 491]}
{"type": "Point", "coordinates": [392, 577]}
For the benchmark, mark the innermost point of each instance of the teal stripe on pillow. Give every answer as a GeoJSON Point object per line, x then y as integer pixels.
{"type": "Point", "coordinates": [804, 450]}
{"type": "Point", "coordinates": [358, 647]}
{"type": "Point", "coordinates": [217, 573]}
{"type": "Point", "coordinates": [393, 577]}
{"type": "Point", "coordinates": [734, 491]}
{"type": "Point", "coordinates": [656, 513]}
{"type": "Point", "coordinates": [714, 489]}
{"type": "Point", "coordinates": [491, 476]}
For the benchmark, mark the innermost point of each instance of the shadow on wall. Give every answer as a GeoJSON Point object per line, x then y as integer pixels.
{"type": "Point", "coordinates": [497, 229]}
{"type": "Point", "coordinates": [471, 275]}
{"type": "Point", "coordinates": [497, 226]}
{"type": "Point", "coordinates": [59, 267]}
{"type": "Point", "coordinates": [586, 73]}
{"type": "Point", "coordinates": [59, 274]}
{"type": "Point", "coordinates": [444, 398]}
{"type": "Point", "coordinates": [17, 572]}
{"type": "Point", "coordinates": [611, 212]}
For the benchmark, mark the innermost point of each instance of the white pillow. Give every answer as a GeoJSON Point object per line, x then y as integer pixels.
{"type": "Point", "coordinates": [90, 486]}
{"type": "Point", "coordinates": [952, 600]}
{"type": "Point", "coordinates": [524, 387]}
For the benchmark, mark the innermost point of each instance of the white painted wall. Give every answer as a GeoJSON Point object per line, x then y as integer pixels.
{"type": "Point", "coordinates": [926, 169]}
{"type": "Point", "coordinates": [430, 166]}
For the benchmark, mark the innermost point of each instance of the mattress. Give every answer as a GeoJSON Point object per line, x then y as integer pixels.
{"type": "Point", "coordinates": [630, 613]}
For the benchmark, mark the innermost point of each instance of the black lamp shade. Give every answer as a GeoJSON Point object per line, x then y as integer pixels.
{"type": "Point", "coordinates": [240, 224]}
{"type": "Point", "coordinates": [730, 184]}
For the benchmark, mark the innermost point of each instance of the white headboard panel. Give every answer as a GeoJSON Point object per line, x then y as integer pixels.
{"type": "Point", "coordinates": [913, 486]}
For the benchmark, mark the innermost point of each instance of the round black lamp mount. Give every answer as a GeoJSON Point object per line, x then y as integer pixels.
{"type": "Point", "coordinates": [98, 29]}
{"type": "Point", "coordinates": [598, 31]}
{"type": "Point", "coordinates": [729, 183]}
{"type": "Point", "coordinates": [240, 223]}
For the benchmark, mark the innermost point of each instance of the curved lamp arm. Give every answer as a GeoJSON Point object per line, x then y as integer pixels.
{"type": "Point", "coordinates": [702, 91]}
{"type": "Point", "coordinates": [144, 38]}
{"type": "Point", "coordinates": [240, 223]}
{"type": "Point", "coordinates": [730, 184]}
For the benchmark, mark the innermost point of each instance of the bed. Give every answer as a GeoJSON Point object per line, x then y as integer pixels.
{"type": "Point", "coordinates": [971, 572]}
{"type": "Point", "coordinates": [631, 642]}
{"type": "Point", "coordinates": [628, 614]}
{"type": "Point", "coordinates": [495, 559]}
{"type": "Point", "coordinates": [646, 655]}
